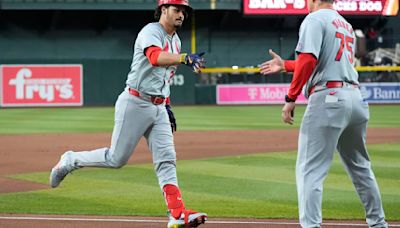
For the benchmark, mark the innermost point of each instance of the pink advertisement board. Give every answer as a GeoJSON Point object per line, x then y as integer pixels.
{"type": "Point", "coordinates": [254, 94]}
{"type": "Point", "coordinates": [41, 85]}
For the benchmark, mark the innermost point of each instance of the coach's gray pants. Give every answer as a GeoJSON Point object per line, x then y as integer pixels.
{"type": "Point", "coordinates": [134, 118]}
{"type": "Point", "coordinates": [327, 126]}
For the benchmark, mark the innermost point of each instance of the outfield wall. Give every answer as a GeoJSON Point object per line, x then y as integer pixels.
{"type": "Point", "coordinates": [101, 41]}
{"type": "Point", "coordinates": [101, 82]}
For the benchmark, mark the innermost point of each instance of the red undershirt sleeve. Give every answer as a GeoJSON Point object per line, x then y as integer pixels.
{"type": "Point", "coordinates": [304, 66]}
{"type": "Point", "coordinates": [289, 65]}
{"type": "Point", "coordinates": [152, 54]}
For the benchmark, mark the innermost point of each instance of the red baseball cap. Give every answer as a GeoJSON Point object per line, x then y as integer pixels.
{"type": "Point", "coordinates": [174, 2]}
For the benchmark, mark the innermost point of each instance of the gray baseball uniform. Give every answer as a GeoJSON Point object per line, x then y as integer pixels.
{"type": "Point", "coordinates": [143, 76]}
{"type": "Point", "coordinates": [335, 118]}
{"type": "Point", "coordinates": [138, 116]}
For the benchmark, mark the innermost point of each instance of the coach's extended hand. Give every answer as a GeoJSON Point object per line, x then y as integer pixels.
{"type": "Point", "coordinates": [275, 65]}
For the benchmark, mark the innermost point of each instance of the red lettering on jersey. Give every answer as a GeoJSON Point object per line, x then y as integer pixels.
{"type": "Point", "coordinates": [348, 41]}
{"type": "Point", "coordinates": [335, 23]}
{"type": "Point", "coordinates": [166, 48]}
{"type": "Point", "coordinates": [177, 47]}
{"type": "Point", "coordinates": [341, 24]}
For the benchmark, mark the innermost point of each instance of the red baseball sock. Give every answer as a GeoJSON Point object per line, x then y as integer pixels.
{"type": "Point", "coordinates": [174, 200]}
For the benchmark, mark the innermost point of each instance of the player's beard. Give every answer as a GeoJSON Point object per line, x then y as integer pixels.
{"type": "Point", "coordinates": [177, 25]}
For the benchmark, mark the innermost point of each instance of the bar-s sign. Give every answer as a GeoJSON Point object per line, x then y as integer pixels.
{"type": "Point", "coordinates": [299, 7]}
{"type": "Point", "coordinates": [281, 7]}
{"type": "Point", "coordinates": [41, 85]}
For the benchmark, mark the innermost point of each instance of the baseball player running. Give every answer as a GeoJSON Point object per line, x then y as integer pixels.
{"type": "Point", "coordinates": [142, 109]}
{"type": "Point", "coordinates": [336, 116]}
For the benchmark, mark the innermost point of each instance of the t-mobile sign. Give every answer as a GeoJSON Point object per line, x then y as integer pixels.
{"type": "Point", "coordinates": [41, 85]}
{"type": "Point", "coordinates": [254, 94]}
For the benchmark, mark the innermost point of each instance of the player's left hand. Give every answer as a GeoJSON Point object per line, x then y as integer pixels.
{"type": "Point", "coordinates": [194, 61]}
{"type": "Point", "coordinates": [171, 116]}
{"type": "Point", "coordinates": [288, 112]}
{"type": "Point", "coordinates": [272, 66]}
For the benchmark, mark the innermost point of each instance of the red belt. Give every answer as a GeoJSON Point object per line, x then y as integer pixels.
{"type": "Point", "coordinates": [154, 99]}
{"type": "Point", "coordinates": [333, 84]}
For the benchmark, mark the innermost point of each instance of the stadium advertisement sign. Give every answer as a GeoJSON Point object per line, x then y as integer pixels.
{"type": "Point", "coordinates": [381, 92]}
{"type": "Point", "coordinates": [254, 94]}
{"type": "Point", "coordinates": [295, 7]}
{"type": "Point", "coordinates": [275, 93]}
{"type": "Point", "coordinates": [41, 85]}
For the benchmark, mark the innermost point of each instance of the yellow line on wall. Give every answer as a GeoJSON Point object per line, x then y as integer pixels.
{"type": "Point", "coordinates": [230, 70]}
{"type": "Point", "coordinates": [213, 4]}
{"type": "Point", "coordinates": [193, 40]}
{"type": "Point", "coordinates": [257, 70]}
{"type": "Point", "coordinates": [377, 68]}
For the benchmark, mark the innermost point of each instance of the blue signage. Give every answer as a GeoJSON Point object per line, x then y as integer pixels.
{"type": "Point", "coordinates": [381, 92]}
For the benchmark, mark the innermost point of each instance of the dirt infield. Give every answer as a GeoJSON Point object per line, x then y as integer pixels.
{"type": "Point", "coordinates": [39, 152]}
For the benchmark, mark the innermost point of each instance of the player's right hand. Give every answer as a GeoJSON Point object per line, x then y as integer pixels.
{"type": "Point", "coordinates": [272, 66]}
{"type": "Point", "coordinates": [194, 61]}
{"type": "Point", "coordinates": [288, 112]}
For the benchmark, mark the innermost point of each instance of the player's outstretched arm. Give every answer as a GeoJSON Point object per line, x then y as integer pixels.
{"type": "Point", "coordinates": [275, 65]}
{"type": "Point", "coordinates": [168, 59]}
{"type": "Point", "coordinates": [157, 57]}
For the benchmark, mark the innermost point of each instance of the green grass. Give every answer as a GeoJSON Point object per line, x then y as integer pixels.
{"type": "Point", "coordinates": [55, 120]}
{"type": "Point", "coordinates": [189, 118]}
{"type": "Point", "coordinates": [256, 186]}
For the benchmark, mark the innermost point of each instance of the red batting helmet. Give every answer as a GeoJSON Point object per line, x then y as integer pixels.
{"type": "Point", "coordinates": [174, 2]}
{"type": "Point", "coordinates": [185, 3]}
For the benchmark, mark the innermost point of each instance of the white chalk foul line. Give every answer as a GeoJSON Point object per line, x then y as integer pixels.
{"type": "Point", "coordinates": [81, 219]}
{"type": "Point", "coordinates": [163, 221]}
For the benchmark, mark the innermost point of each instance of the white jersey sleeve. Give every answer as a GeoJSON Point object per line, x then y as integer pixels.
{"type": "Point", "coordinates": [310, 37]}
{"type": "Point", "coordinates": [150, 36]}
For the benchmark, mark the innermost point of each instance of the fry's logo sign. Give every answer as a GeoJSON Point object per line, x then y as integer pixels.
{"type": "Point", "coordinates": [41, 85]}
{"type": "Point", "coordinates": [25, 87]}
